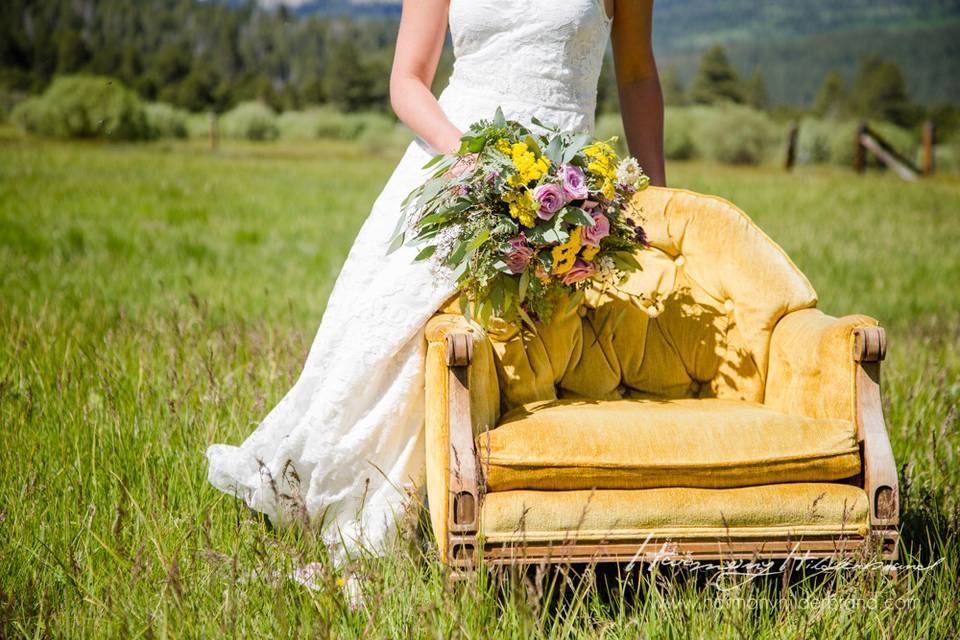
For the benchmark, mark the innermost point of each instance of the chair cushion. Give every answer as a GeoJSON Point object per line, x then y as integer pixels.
{"type": "Point", "coordinates": [639, 444]}
{"type": "Point", "coordinates": [784, 511]}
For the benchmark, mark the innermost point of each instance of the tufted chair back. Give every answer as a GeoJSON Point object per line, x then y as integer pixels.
{"type": "Point", "coordinates": [694, 323]}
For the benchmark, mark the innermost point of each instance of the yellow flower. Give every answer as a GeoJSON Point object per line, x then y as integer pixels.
{"type": "Point", "coordinates": [589, 252]}
{"type": "Point", "coordinates": [503, 145]}
{"type": "Point", "coordinates": [341, 582]}
{"type": "Point", "coordinates": [565, 255]}
{"type": "Point", "coordinates": [522, 206]}
{"type": "Point", "coordinates": [603, 164]}
{"type": "Point", "coordinates": [529, 167]}
{"type": "Point", "coordinates": [608, 189]}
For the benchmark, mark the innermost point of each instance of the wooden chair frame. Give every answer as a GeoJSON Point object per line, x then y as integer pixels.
{"type": "Point", "coordinates": [878, 478]}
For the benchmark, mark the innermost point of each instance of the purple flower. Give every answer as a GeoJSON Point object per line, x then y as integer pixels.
{"type": "Point", "coordinates": [581, 270]}
{"type": "Point", "coordinates": [463, 189]}
{"type": "Point", "coordinates": [530, 312]}
{"type": "Point", "coordinates": [574, 182]}
{"type": "Point", "coordinates": [592, 235]}
{"type": "Point", "coordinates": [550, 198]}
{"type": "Point", "coordinates": [640, 235]}
{"type": "Point", "coordinates": [519, 257]}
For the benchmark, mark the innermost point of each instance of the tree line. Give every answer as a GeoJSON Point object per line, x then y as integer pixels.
{"type": "Point", "coordinates": [213, 56]}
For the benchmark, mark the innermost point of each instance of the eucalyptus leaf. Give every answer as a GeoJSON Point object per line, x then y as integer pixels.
{"type": "Point", "coordinates": [426, 252]}
{"type": "Point", "coordinates": [524, 283]}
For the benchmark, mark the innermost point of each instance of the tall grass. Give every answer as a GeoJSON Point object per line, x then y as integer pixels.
{"type": "Point", "coordinates": [156, 299]}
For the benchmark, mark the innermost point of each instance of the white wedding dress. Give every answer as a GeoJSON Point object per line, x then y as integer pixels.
{"type": "Point", "coordinates": [346, 442]}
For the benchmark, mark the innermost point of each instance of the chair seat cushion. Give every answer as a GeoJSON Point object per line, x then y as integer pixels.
{"type": "Point", "coordinates": [640, 444]}
{"type": "Point", "coordinates": [784, 511]}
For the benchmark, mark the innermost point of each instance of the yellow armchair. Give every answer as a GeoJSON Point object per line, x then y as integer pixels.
{"type": "Point", "coordinates": [704, 409]}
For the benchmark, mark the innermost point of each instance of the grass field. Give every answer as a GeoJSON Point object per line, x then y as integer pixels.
{"type": "Point", "coordinates": [155, 299]}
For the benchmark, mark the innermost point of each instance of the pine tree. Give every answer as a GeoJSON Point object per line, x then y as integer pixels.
{"type": "Point", "coordinates": [672, 87]}
{"type": "Point", "coordinates": [880, 91]}
{"type": "Point", "coordinates": [347, 81]}
{"type": "Point", "coordinates": [717, 80]}
{"type": "Point", "coordinates": [756, 91]}
{"type": "Point", "coordinates": [831, 100]}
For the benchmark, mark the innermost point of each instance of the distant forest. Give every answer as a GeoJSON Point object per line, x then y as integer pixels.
{"type": "Point", "coordinates": [213, 55]}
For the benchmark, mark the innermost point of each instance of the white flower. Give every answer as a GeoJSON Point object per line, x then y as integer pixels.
{"type": "Point", "coordinates": [607, 270]}
{"type": "Point", "coordinates": [628, 171]}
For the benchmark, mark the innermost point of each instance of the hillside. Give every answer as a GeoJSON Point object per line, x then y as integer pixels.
{"type": "Point", "coordinates": [794, 42]}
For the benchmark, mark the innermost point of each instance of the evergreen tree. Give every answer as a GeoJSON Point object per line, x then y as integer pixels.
{"type": "Point", "coordinates": [72, 51]}
{"type": "Point", "coordinates": [347, 81]}
{"type": "Point", "coordinates": [756, 91]}
{"type": "Point", "coordinates": [717, 80]}
{"type": "Point", "coordinates": [672, 87]}
{"type": "Point", "coordinates": [831, 100]}
{"type": "Point", "coordinates": [879, 91]}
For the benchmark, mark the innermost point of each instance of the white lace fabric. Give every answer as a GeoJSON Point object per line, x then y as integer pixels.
{"type": "Point", "coordinates": [346, 442]}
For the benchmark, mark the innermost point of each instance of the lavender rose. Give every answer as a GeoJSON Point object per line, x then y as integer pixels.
{"type": "Point", "coordinates": [520, 256]}
{"type": "Point", "coordinates": [550, 198]}
{"type": "Point", "coordinates": [574, 182]}
{"type": "Point", "coordinates": [594, 234]}
{"type": "Point", "coordinates": [581, 270]}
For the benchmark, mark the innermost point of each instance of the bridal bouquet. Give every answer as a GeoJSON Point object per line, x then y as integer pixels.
{"type": "Point", "coordinates": [525, 219]}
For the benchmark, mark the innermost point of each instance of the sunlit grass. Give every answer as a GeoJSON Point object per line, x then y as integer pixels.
{"type": "Point", "coordinates": [155, 299]}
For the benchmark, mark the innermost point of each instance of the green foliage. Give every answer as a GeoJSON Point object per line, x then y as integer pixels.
{"type": "Point", "coordinates": [880, 92]}
{"type": "Point", "coordinates": [153, 302]}
{"type": "Point", "coordinates": [730, 134]}
{"type": "Point", "coordinates": [674, 95]}
{"type": "Point", "coordinates": [84, 107]}
{"type": "Point", "coordinates": [166, 121]}
{"type": "Point", "coordinates": [678, 133]}
{"type": "Point", "coordinates": [251, 121]}
{"type": "Point", "coordinates": [736, 135]}
{"type": "Point", "coordinates": [375, 131]}
{"type": "Point", "coordinates": [832, 98]}
{"type": "Point", "coordinates": [717, 80]}
{"type": "Point", "coordinates": [831, 141]}
{"type": "Point", "coordinates": [755, 91]}
{"type": "Point", "coordinates": [354, 82]}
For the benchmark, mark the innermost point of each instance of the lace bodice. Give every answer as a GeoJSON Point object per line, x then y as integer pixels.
{"type": "Point", "coordinates": [532, 57]}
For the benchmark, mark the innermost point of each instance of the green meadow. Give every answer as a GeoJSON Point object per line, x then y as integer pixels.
{"type": "Point", "coordinates": [156, 298]}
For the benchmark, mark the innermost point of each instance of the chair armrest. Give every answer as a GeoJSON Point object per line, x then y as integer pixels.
{"type": "Point", "coordinates": [826, 367]}
{"type": "Point", "coordinates": [462, 399]}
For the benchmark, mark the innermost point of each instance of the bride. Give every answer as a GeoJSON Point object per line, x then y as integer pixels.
{"type": "Point", "coordinates": [345, 446]}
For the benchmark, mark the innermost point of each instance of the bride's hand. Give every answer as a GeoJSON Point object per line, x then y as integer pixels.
{"type": "Point", "coordinates": [463, 165]}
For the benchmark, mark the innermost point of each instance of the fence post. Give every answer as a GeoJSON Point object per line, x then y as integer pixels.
{"type": "Point", "coordinates": [859, 152]}
{"type": "Point", "coordinates": [214, 130]}
{"type": "Point", "coordinates": [929, 142]}
{"type": "Point", "coordinates": [792, 145]}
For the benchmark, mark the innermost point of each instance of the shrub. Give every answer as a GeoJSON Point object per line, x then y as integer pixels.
{"type": "Point", "coordinates": [822, 141]}
{"type": "Point", "coordinates": [251, 121]}
{"type": "Point", "coordinates": [678, 133]}
{"type": "Point", "coordinates": [735, 135]}
{"type": "Point", "coordinates": [166, 121]}
{"type": "Point", "coordinates": [374, 131]}
{"type": "Point", "coordinates": [34, 115]}
{"type": "Point", "coordinates": [198, 125]}
{"type": "Point", "coordinates": [298, 125]}
{"type": "Point", "coordinates": [84, 107]}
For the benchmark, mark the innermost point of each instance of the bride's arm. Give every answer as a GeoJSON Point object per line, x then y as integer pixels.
{"type": "Point", "coordinates": [641, 100]}
{"type": "Point", "coordinates": [423, 27]}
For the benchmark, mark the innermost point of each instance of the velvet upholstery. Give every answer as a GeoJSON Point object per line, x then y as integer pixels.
{"type": "Point", "coordinates": [707, 383]}
{"type": "Point", "coordinates": [639, 444]}
{"type": "Point", "coordinates": [776, 511]}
